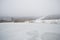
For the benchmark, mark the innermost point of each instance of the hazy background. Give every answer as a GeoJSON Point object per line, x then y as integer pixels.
{"type": "Point", "coordinates": [29, 7]}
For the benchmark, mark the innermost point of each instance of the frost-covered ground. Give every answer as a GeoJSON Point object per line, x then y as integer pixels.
{"type": "Point", "coordinates": [29, 31]}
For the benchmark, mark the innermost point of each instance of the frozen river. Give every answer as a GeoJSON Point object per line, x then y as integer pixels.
{"type": "Point", "coordinates": [29, 31]}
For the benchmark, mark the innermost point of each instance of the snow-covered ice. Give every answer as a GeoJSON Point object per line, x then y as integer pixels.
{"type": "Point", "coordinates": [27, 31]}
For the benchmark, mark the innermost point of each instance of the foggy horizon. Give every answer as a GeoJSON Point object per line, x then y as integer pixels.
{"type": "Point", "coordinates": [29, 8]}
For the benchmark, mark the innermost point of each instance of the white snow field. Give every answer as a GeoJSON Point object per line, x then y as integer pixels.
{"type": "Point", "coordinates": [48, 21]}
{"type": "Point", "coordinates": [29, 31]}
{"type": "Point", "coordinates": [57, 21]}
{"type": "Point", "coordinates": [51, 19]}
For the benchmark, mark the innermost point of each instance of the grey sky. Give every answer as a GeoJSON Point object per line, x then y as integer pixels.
{"type": "Point", "coordinates": [29, 7]}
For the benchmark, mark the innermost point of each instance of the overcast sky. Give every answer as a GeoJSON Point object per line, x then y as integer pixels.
{"type": "Point", "coordinates": [29, 7]}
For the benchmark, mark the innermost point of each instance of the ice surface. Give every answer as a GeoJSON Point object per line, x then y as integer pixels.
{"type": "Point", "coordinates": [28, 31]}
